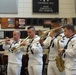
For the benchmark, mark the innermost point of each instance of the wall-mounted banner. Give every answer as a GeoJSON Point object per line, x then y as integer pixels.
{"type": "Point", "coordinates": [46, 6]}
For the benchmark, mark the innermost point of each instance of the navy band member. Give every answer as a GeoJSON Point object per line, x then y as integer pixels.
{"type": "Point", "coordinates": [35, 52]}
{"type": "Point", "coordinates": [70, 50]}
{"type": "Point", "coordinates": [14, 58]}
{"type": "Point", "coordinates": [51, 42]}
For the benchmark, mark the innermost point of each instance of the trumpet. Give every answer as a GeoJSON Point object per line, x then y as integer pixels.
{"type": "Point", "coordinates": [43, 34]}
{"type": "Point", "coordinates": [19, 45]}
{"type": "Point", "coordinates": [3, 41]}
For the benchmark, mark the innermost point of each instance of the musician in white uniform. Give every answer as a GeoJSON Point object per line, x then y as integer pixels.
{"type": "Point", "coordinates": [52, 42]}
{"type": "Point", "coordinates": [35, 52]}
{"type": "Point", "coordinates": [70, 50]}
{"type": "Point", "coordinates": [14, 57]}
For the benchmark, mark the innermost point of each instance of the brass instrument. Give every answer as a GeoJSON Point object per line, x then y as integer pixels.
{"type": "Point", "coordinates": [59, 61]}
{"type": "Point", "coordinates": [43, 34]}
{"type": "Point", "coordinates": [19, 45]}
{"type": "Point", "coordinates": [3, 41]}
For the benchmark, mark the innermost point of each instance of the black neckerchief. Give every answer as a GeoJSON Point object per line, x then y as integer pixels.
{"type": "Point", "coordinates": [52, 43]}
{"type": "Point", "coordinates": [14, 42]}
{"type": "Point", "coordinates": [63, 52]}
{"type": "Point", "coordinates": [69, 41]}
{"type": "Point", "coordinates": [30, 45]}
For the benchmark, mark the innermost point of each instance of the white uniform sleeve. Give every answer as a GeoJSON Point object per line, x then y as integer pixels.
{"type": "Point", "coordinates": [6, 46]}
{"type": "Point", "coordinates": [71, 50]}
{"type": "Point", "coordinates": [56, 42]}
{"type": "Point", "coordinates": [47, 41]}
{"type": "Point", "coordinates": [25, 48]}
{"type": "Point", "coordinates": [62, 42]}
{"type": "Point", "coordinates": [36, 48]}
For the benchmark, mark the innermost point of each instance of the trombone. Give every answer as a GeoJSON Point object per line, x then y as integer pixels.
{"type": "Point", "coordinates": [43, 34]}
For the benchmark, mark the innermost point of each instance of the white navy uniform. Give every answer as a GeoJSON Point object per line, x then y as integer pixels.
{"type": "Point", "coordinates": [14, 58]}
{"type": "Point", "coordinates": [70, 58]}
{"type": "Point", "coordinates": [52, 68]}
{"type": "Point", "coordinates": [35, 53]}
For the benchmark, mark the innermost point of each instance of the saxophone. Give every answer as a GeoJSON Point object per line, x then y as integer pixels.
{"type": "Point", "coordinates": [59, 61]}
